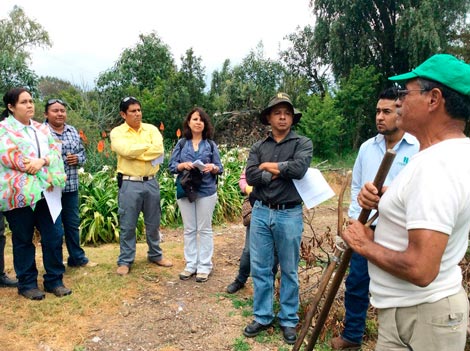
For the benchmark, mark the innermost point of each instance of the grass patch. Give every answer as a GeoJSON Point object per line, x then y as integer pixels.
{"type": "Point", "coordinates": [240, 344]}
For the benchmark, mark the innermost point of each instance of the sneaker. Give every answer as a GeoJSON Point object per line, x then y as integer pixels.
{"type": "Point", "coordinates": [185, 275]}
{"type": "Point", "coordinates": [338, 343]}
{"type": "Point", "coordinates": [122, 270]}
{"type": "Point", "coordinates": [202, 277]}
{"type": "Point", "coordinates": [235, 286]}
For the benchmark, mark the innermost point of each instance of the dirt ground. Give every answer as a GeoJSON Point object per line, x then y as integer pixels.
{"type": "Point", "coordinates": [159, 312]}
{"type": "Point", "coordinates": [180, 315]}
{"type": "Point", "coordinates": [154, 310]}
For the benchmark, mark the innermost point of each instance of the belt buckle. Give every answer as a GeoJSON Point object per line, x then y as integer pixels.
{"type": "Point", "coordinates": [145, 179]}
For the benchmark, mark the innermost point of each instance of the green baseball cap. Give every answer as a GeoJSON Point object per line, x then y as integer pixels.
{"type": "Point", "coordinates": [442, 68]}
{"type": "Point", "coordinates": [276, 100]}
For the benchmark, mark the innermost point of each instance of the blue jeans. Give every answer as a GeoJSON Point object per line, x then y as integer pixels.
{"type": "Point", "coordinates": [22, 222]}
{"type": "Point", "coordinates": [71, 221]}
{"type": "Point", "coordinates": [356, 299]}
{"type": "Point", "coordinates": [272, 230]}
{"type": "Point", "coordinates": [244, 269]}
{"type": "Point", "coordinates": [136, 197]}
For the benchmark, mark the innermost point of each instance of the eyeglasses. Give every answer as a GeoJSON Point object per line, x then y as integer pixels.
{"type": "Point", "coordinates": [126, 99]}
{"type": "Point", "coordinates": [401, 93]}
{"type": "Point", "coordinates": [53, 101]}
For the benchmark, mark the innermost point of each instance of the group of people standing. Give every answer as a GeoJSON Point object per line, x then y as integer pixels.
{"type": "Point", "coordinates": [408, 260]}
{"type": "Point", "coordinates": [139, 149]}
{"type": "Point", "coordinates": [39, 164]}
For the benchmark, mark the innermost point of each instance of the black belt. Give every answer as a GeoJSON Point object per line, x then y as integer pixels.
{"type": "Point", "coordinates": [284, 206]}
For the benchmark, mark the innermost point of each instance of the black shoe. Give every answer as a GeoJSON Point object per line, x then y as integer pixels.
{"type": "Point", "coordinates": [234, 287]}
{"type": "Point", "coordinates": [6, 282]}
{"type": "Point", "coordinates": [289, 335]}
{"type": "Point", "coordinates": [254, 328]}
{"type": "Point", "coordinates": [59, 291]}
{"type": "Point", "coordinates": [33, 294]}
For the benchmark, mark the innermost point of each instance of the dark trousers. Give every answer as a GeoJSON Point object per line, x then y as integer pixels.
{"type": "Point", "coordinates": [22, 222]}
{"type": "Point", "coordinates": [71, 221]}
{"type": "Point", "coordinates": [2, 243]}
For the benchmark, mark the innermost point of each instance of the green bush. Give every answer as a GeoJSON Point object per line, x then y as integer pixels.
{"type": "Point", "coordinates": [99, 208]}
{"type": "Point", "coordinates": [99, 199]}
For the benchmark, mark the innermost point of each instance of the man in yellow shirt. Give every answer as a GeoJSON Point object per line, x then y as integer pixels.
{"type": "Point", "coordinates": [139, 149]}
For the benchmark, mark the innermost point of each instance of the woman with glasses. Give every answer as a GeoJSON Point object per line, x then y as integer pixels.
{"type": "Point", "coordinates": [31, 169]}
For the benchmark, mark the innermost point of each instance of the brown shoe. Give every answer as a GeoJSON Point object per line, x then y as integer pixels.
{"type": "Point", "coordinates": [338, 343]}
{"type": "Point", "coordinates": [122, 270]}
{"type": "Point", "coordinates": [163, 263]}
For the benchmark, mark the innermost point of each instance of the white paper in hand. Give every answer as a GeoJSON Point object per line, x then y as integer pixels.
{"type": "Point", "coordinates": [198, 164]}
{"type": "Point", "coordinates": [313, 188]}
{"type": "Point", "coordinates": [54, 201]}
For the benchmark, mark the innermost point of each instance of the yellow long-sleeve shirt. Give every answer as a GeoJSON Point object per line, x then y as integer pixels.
{"type": "Point", "coordinates": [137, 149]}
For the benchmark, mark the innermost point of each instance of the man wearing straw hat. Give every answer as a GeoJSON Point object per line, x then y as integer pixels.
{"type": "Point", "coordinates": [276, 218]}
{"type": "Point", "coordinates": [422, 231]}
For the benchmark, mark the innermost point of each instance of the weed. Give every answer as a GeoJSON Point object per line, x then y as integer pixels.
{"type": "Point", "coordinates": [240, 344]}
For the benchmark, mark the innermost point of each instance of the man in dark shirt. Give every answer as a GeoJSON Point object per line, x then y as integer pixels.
{"type": "Point", "coordinates": [276, 219]}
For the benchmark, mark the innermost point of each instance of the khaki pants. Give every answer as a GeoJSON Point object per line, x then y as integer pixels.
{"type": "Point", "coordinates": [438, 326]}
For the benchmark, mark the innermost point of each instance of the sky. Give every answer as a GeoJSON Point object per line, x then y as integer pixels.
{"type": "Point", "coordinates": [88, 36]}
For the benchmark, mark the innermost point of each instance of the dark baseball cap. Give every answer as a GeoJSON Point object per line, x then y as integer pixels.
{"type": "Point", "coordinates": [442, 68]}
{"type": "Point", "coordinates": [276, 100]}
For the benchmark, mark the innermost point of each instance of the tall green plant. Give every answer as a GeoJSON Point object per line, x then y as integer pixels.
{"type": "Point", "coordinates": [99, 208]}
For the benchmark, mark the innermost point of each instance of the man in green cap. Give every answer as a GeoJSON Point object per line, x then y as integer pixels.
{"type": "Point", "coordinates": [276, 218]}
{"type": "Point", "coordinates": [422, 232]}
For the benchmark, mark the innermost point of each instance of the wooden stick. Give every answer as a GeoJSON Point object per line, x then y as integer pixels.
{"type": "Point", "coordinates": [328, 272]}
{"type": "Point", "coordinates": [346, 257]}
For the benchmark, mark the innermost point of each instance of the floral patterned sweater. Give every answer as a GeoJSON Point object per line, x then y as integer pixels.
{"type": "Point", "coordinates": [18, 188]}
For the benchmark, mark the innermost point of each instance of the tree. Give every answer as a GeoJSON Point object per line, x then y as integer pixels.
{"type": "Point", "coordinates": [182, 91]}
{"type": "Point", "coordinates": [461, 44]}
{"type": "Point", "coordinates": [220, 82]}
{"type": "Point", "coordinates": [356, 100]}
{"type": "Point", "coordinates": [323, 123]}
{"type": "Point", "coordinates": [138, 69]}
{"type": "Point", "coordinates": [14, 72]}
{"type": "Point", "coordinates": [249, 85]}
{"type": "Point", "coordinates": [302, 60]}
{"type": "Point", "coordinates": [393, 35]}
{"type": "Point", "coordinates": [18, 34]}
{"type": "Point", "coordinates": [191, 75]}
{"type": "Point", "coordinates": [140, 65]}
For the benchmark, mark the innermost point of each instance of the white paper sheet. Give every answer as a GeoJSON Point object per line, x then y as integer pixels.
{"type": "Point", "coordinates": [199, 165]}
{"type": "Point", "coordinates": [313, 188]}
{"type": "Point", "coordinates": [54, 201]}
